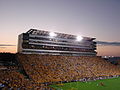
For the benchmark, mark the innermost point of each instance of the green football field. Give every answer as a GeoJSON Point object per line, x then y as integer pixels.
{"type": "Point", "coordinates": [106, 84]}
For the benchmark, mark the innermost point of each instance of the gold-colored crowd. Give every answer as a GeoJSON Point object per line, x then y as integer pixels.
{"type": "Point", "coordinates": [48, 68]}
{"type": "Point", "coordinates": [43, 69]}
{"type": "Point", "coordinates": [12, 79]}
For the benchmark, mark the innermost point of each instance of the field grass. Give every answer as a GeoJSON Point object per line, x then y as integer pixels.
{"type": "Point", "coordinates": [106, 84]}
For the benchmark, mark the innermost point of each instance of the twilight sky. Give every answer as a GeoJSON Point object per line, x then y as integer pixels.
{"type": "Point", "coordinates": [94, 18]}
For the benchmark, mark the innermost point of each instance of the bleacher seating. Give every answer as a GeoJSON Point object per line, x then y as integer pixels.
{"type": "Point", "coordinates": [49, 68]}
{"type": "Point", "coordinates": [44, 69]}
{"type": "Point", "coordinates": [12, 79]}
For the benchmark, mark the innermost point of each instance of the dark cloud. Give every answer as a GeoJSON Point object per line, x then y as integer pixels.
{"type": "Point", "coordinates": [108, 43]}
{"type": "Point", "coordinates": [2, 47]}
{"type": "Point", "coordinates": [6, 45]}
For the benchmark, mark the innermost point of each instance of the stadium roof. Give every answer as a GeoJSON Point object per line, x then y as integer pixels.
{"type": "Point", "coordinates": [60, 35]}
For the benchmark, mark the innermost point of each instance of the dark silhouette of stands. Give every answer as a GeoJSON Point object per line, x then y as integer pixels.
{"type": "Point", "coordinates": [8, 59]}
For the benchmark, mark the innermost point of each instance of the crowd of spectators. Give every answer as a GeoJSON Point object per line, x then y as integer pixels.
{"type": "Point", "coordinates": [50, 68]}
{"type": "Point", "coordinates": [12, 79]}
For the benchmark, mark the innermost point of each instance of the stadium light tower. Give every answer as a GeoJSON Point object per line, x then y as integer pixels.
{"type": "Point", "coordinates": [52, 34]}
{"type": "Point", "coordinates": [79, 38]}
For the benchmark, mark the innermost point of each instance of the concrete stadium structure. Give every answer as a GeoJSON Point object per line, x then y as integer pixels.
{"type": "Point", "coordinates": [54, 43]}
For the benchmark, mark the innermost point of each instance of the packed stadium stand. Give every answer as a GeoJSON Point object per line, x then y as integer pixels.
{"type": "Point", "coordinates": [53, 68]}
{"type": "Point", "coordinates": [36, 72]}
{"type": "Point", "coordinates": [45, 58]}
{"type": "Point", "coordinates": [13, 77]}
{"type": "Point", "coordinates": [13, 80]}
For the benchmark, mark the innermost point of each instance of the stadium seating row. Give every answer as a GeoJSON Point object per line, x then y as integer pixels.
{"type": "Point", "coordinates": [11, 79]}
{"type": "Point", "coordinates": [49, 68]}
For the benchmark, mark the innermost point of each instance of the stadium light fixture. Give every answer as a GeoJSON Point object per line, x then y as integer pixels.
{"type": "Point", "coordinates": [79, 38]}
{"type": "Point", "coordinates": [105, 56]}
{"type": "Point", "coordinates": [52, 34]}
